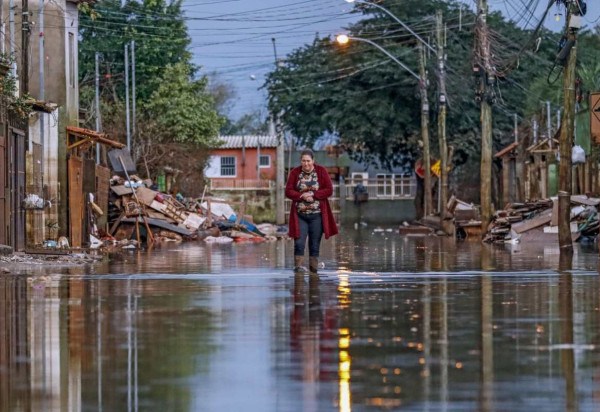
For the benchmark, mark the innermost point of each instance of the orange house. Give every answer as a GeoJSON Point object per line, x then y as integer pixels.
{"type": "Point", "coordinates": [246, 161]}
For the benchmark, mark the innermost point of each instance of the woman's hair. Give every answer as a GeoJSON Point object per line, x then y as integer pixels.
{"type": "Point", "coordinates": [307, 152]}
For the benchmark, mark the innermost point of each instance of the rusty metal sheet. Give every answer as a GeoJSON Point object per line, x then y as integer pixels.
{"type": "Point", "coordinates": [102, 189]}
{"type": "Point", "coordinates": [4, 202]}
{"type": "Point", "coordinates": [76, 203]}
{"type": "Point", "coordinates": [17, 189]}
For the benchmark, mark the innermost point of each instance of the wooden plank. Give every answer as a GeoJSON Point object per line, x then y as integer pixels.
{"type": "Point", "coordinates": [160, 223]}
{"type": "Point", "coordinates": [543, 218]}
{"type": "Point", "coordinates": [102, 190]}
{"type": "Point", "coordinates": [584, 200]}
{"type": "Point", "coordinates": [145, 195]}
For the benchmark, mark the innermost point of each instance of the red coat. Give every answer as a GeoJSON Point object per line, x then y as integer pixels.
{"type": "Point", "coordinates": [322, 195]}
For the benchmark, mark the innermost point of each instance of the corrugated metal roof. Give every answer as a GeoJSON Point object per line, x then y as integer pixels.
{"type": "Point", "coordinates": [238, 141]}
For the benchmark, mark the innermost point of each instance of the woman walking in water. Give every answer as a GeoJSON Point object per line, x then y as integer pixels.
{"type": "Point", "coordinates": [309, 187]}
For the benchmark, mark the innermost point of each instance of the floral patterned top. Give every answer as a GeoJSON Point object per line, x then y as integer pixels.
{"type": "Point", "coordinates": [308, 182]}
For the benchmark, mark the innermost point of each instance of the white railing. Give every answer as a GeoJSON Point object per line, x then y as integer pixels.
{"type": "Point", "coordinates": [240, 184]}
{"type": "Point", "coordinates": [385, 188]}
{"type": "Point", "coordinates": [378, 189]}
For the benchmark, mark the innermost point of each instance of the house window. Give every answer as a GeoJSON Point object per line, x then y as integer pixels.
{"type": "Point", "coordinates": [228, 166]}
{"type": "Point", "coordinates": [264, 161]}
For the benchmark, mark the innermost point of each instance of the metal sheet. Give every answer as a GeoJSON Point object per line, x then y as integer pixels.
{"type": "Point", "coordinates": [75, 170]}
{"type": "Point", "coordinates": [115, 164]}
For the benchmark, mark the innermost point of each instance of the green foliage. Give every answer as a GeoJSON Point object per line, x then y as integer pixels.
{"type": "Point", "coordinates": [159, 32]}
{"type": "Point", "coordinates": [17, 104]}
{"type": "Point", "coordinates": [373, 104]}
{"type": "Point", "coordinates": [182, 109]}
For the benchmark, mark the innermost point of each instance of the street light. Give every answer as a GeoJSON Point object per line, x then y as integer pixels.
{"type": "Point", "coordinates": [344, 39]}
{"type": "Point", "coordinates": [427, 201]}
{"type": "Point", "coordinates": [393, 16]}
{"type": "Point", "coordinates": [443, 193]}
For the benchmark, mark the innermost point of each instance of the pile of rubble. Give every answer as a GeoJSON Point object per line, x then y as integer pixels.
{"type": "Point", "coordinates": [538, 221]}
{"type": "Point", "coordinates": [139, 213]}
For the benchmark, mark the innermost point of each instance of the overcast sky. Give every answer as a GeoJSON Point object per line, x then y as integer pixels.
{"type": "Point", "coordinates": [233, 37]}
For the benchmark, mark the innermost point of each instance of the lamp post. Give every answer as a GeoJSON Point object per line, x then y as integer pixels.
{"type": "Point", "coordinates": [439, 51]}
{"type": "Point", "coordinates": [393, 16]}
{"type": "Point", "coordinates": [427, 201]}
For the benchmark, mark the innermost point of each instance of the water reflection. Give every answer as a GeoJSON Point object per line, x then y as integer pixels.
{"type": "Point", "coordinates": [417, 324]}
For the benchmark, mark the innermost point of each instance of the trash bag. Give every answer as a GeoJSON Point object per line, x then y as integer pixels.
{"type": "Point", "coordinates": [578, 155]}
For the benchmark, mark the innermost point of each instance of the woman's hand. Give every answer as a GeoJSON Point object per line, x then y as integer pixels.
{"type": "Point", "coordinates": [308, 197]}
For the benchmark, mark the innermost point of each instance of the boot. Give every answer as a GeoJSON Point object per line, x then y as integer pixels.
{"type": "Point", "coordinates": [299, 264]}
{"type": "Point", "coordinates": [313, 264]}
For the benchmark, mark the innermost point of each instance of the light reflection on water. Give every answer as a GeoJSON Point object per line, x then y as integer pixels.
{"type": "Point", "coordinates": [392, 323]}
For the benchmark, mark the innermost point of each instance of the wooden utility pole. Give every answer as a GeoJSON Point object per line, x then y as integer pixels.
{"type": "Point", "coordinates": [487, 96]}
{"type": "Point", "coordinates": [25, 48]}
{"type": "Point", "coordinates": [567, 130]}
{"type": "Point", "coordinates": [443, 192]}
{"type": "Point", "coordinates": [427, 199]}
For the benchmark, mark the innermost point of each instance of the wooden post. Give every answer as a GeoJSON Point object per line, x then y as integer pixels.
{"type": "Point", "coordinates": [443, 192]}
{"type": "Point", "coordinates": [487, 91]}
{"type": "Point", "coordinates": [427, 198]}
{"type": "Point", "coordinates": [566, 139]}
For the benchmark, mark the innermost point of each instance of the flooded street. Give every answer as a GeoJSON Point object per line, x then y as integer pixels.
{"type": "Point", "coordinates": [391, 323]}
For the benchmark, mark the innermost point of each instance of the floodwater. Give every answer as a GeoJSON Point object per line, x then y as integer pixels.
{"type": "Point", "coordinates": [391, 323]}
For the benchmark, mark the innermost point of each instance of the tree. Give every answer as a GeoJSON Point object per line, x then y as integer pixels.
{"type": "Point", "coordinates": [372, 104]}
{"type": "Point", "coordinates": [176, 117]}
{"type": "Point", "coordinates": [161, 39]}
{"type": "Point", "coordinates": [183, 111]}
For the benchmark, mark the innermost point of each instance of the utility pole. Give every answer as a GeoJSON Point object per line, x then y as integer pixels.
{"type": "Point", "coordinates": [277, 129]}
{"type": "Point", "coordinates": [427, 198]}
{"type": "Point", "coordinates": [549, 124]}
{"type": "Point", "coordinates": [11, 28]}
{"type": "Point", "coordinates": [25, 48]}
{"type": "Point", "coordinates": [486, 94]}
{"type": "Point", "coordinates": [133, 125]}
{"type": "Point", "coordinates": [443, 192]}
{"type": "Point", "coordinates": [127, 123]}
{"type": "Point", "coordinates": [41, 79]}
{"type": "Point", "coordinates": [568, 128]}
{"type": "Point", "coordinates": [97, 101]}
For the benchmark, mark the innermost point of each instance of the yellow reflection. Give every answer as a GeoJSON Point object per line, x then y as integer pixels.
{"type": "Point", "coordinates": [344, 342]}
{"type": "Point", "coordinates": [344, 290]}
{"type": "Point", "coordinates": [344, 370]}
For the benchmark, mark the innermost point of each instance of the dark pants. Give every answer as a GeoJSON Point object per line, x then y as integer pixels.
{"type": "Point", "coordinates": [311, 226]}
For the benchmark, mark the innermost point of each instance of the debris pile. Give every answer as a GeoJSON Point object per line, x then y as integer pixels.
{"type": "Point", "coordinates": [138, 213]}
{"type": "Point", "coordinates": [538, 221]}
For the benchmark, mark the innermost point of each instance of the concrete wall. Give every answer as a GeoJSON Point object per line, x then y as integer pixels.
{"type": "Point", "coordinates": [60, 55]}
{"type": "Point", "coordinates": [378, 212]}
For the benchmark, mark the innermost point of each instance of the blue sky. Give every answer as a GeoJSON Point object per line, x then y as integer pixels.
{"type": "Point", "coordinates": [233, 37]}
